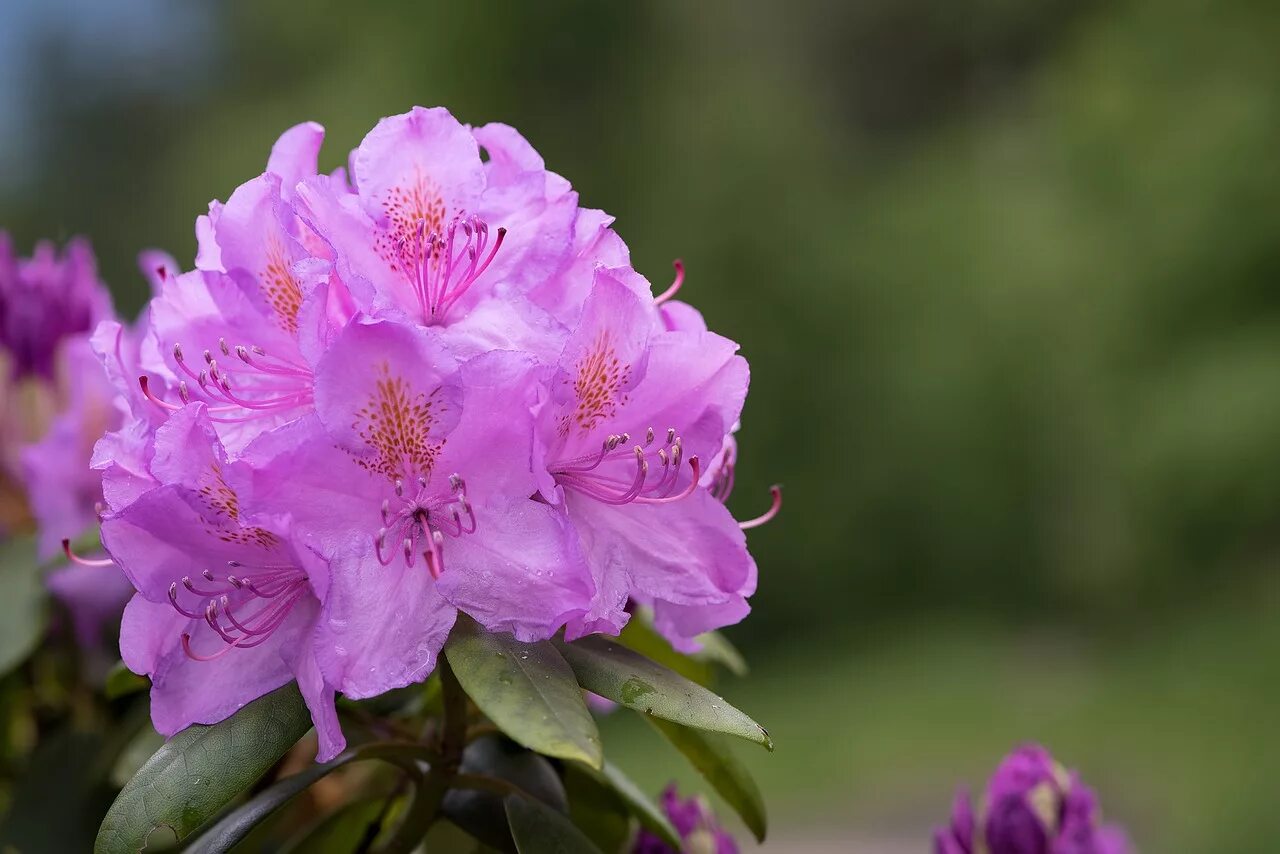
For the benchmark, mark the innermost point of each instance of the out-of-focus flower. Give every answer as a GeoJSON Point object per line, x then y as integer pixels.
{"type": "Point", "coordinates": [44, 300]}
{"type": "Point", "coordinates": [439, 387]}
{"type": "Point", "coordinates": [693, 819]}
{"type": "Point", "coordinates": [1032, 805]}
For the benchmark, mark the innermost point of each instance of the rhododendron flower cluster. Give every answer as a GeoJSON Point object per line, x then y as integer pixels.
{"type": "Point", "coordinates": [1032, 805]}
{"type": "Point", "coordinates": [428, 383]}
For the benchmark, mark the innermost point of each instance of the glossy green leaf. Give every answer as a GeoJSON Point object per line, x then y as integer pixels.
{"type": "Point", "coordinates": [637, 802]}
{"type": "Point", "coordinates": [538, 829]}
{"type": "Point", "coordinates": [481, 813]}
{"type": "Point", "coordinates": [611, 670]}
{"type": "Point", "coordinates": [121, 681]}
{"type": "Point", "coordinates": [201, 769]}
{"type": "Point", "coordinates": [22, 604]}
{"type": "Point", "coordinates": [711, 756]}
{"type": "Point", "coordinates": [527, 689]}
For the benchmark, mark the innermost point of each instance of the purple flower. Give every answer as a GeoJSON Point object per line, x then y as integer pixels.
{"type": "Point", "coordinates": [225, 611]}
{"type": "Point", "coordinates": [44, 300]}
{"type": "Point", "coordinates": [696, 824]}
{"type": "Point", "coordinates": [434, 385]}
{"type": "Point", "coordinates": [633, 410]}
{"type": "Point", "coordinates": [1032, 806]}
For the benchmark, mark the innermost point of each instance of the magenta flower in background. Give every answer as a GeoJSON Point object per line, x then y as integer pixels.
{"type": "Point", "coordinates": [44, 300]}
{"type": "Point", "coordinates": [59, 401]}
{"type": "Point", "coordinates": [696, 824]}
{"type": "Point", "coordinates": [1032, 805]}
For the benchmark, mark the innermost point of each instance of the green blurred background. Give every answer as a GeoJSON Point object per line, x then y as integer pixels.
{"type": "Point", "coordinates": [1009, 280]}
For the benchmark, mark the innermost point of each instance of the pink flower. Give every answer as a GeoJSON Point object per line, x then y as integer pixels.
{"type": "Point", "coordinates": [225, 611]}
{"type": "Point", "coordinates": [633, 412]}
{"type": "Point", "coordinates": [437, 387]}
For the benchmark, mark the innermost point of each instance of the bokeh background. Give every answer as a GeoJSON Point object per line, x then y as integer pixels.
{"type": "Point", "coordinates": [1008, 275]}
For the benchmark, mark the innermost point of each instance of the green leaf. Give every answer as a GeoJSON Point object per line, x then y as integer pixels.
{"type": "Point", "coordinates": [710, 754]}
{"type": "Point", "coordinates": [22, 603]}
{"type": "Point", "coordinates": [201, 769]}
{"type": "Point", "coordinates": [538, 829]}
{"type": "Point", "coordinates": [596, 808]}
{"type": "Point", "coordinates": [236, 825]}
{"type": "Point", "coordinates": [121, 681]}
{"type": "Point", "coordinates": [637, 802]}
{"type": "Point", "coordinates": [481, 813]}
{"type": "Point", "coordinates": [624, 676]}
{"type": "Point", "coordinates": [717, 648]}
{"type": "Point", "coordinates": [527, 689]}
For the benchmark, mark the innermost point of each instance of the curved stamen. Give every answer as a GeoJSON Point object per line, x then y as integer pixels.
{"type": "Point", "coordinates": [675, 285]}
{"type": "Point", "coordinates": [441, 267]}
{"type": "Point", "coordinates": [693, 485]}
{"type": "Point", "coordinates": [75, 558]}
{"type": "Point", "coordinates": [766, 516]}
{"type": "Point", "coordinates": [145, 384]}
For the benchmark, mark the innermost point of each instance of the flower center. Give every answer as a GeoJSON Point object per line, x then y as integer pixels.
{"type": "Point", "coordinates": [420, 520]}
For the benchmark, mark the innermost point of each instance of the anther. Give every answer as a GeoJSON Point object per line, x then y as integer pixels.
{"type": "Point", "coordinates": [226, 351]}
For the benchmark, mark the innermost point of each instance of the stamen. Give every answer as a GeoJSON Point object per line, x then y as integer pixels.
{"type": "Point", "coordinates": [675, 285]}
{"type": "Point", "coordinates": [766, 516]}
{"type": "Point", "coordinates": [145, 385]}
{"type": "Point", "coordinates": [441, 267]}
{"type": "Point", "coordinates": [75, 558]}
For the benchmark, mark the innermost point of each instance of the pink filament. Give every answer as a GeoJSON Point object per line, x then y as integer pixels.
{"type": "Point", "coordinates": [675, 285]}
{"type": "Point", "coordinates": [766, 516]}
{"type": "Point", "coordinates": [75, 558]}
{"type": "Point", "coordinates": [441, 268]}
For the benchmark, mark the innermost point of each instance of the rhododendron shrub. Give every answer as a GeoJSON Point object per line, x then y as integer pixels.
{"type": "Point", "coordinates": [411, 453]}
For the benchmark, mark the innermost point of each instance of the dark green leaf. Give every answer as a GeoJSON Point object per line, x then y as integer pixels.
{"type": "Point", "coordinates": [596, 808]}
{"type": "Point", "coordinates": [710, 754]}
{"type": "Point", "coordinates": [121, 682]}
{"type": "Point", "coordinates": [538, 829]}
{"type": "Point", "coordinates": [22, 605]}
{"type": "Point", "coordinates": [527, 689]}
{"type": "Point", "coordinates": [481, 813]}
{"type": "Point", "coordinates": [624, 676]}
{"type": "Point", "coordinates": [201, 769]}
{"type": "Point", "coordinates": [637, 802]}
{"type": "Point", "coordinates": [237, 824]}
